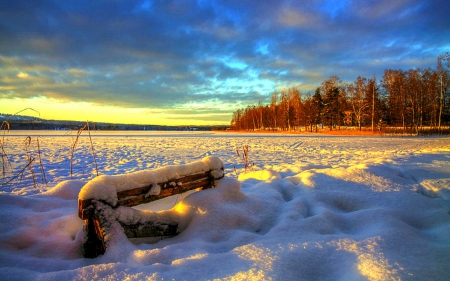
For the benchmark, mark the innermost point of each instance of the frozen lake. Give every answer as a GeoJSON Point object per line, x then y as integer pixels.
{"type": "Point", "coordinates": [128, 151]}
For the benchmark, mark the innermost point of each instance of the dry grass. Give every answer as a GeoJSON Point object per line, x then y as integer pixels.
{"type": "Point", "coordinates": [6, 164]}
{"type": "Point", "coordinates": [244, 158]}
{"type": "Point", "coordinates": [31, 158]}
{"type": "Point", "coordinates": [74, 145]}
{"type": "Point", "coordinates": [33, 155]}
{"type": "Point", "coordinates": [20, 174]}
{"type": "Point", "coordinates": [5, 126]}
{"type": "Point", "coordinates": [40, 161]}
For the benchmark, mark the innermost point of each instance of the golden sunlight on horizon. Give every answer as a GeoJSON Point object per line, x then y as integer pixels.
{"type": "Point", "coordinates": [81, 111]}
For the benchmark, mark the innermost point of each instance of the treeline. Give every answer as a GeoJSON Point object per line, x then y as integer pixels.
{"type": "Point", "coordinates": [410, 101]}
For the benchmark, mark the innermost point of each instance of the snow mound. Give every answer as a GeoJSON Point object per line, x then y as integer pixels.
{"type": "Point", "coordinates": [68, 189]}
{"type": "Point", "coordinates": [439, 188]}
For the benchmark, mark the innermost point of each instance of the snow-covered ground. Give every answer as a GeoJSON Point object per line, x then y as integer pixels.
{"type": "Point", "coordinates": [315, 208]}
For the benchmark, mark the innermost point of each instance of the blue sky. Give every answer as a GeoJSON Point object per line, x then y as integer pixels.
{"type": "Point", "coordinates": [195, 62]}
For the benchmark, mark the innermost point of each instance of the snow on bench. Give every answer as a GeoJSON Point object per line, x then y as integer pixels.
{"type": "Point", "coordinates": [104, 202]}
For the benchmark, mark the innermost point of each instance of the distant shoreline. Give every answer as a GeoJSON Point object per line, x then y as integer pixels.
{"type": "Point", "coordinates": [366, 132]}
{"type": "Point", "coordinates": [23, 122]}
{"type": "Point", "coordinates": [28, 123]}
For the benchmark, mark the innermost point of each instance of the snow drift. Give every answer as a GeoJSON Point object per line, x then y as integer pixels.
{"type": "Point", "coordinates": [314, 209]}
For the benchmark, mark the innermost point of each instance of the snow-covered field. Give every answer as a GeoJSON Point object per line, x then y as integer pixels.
{"type": "Point", "coordinates": [315, 208]}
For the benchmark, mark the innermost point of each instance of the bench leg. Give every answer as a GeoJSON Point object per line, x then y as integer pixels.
{"type": "Point", "coordinates": [94, 245]}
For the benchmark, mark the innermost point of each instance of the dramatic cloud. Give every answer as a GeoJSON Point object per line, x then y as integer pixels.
{"type": "Point", "coordinates": [205, 59]}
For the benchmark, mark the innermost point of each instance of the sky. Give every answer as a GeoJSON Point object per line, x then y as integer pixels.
{"type": "Point", "coordinates": [196, 62]}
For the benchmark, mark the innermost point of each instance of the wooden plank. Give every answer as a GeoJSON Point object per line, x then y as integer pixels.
{"type": "Point", "coordinates": [85, 208]}
{"type": "Point", "coordinates": [138, 196]}
{"type": "Point", "coordinates": [173, 190]}
{"type": "Point", "coordinates": [163, 185]}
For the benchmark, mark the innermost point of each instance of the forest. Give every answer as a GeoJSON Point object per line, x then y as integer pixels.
{"type": "Point", "coordinates": [416, 101]}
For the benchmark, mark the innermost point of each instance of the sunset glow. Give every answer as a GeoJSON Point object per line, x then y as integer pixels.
{"type": "Point", "coordinates": [53, 109]}
{"type": "Point", "coordinates": [196, 62]}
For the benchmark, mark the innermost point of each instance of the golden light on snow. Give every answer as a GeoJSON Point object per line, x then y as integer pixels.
{"type": "Point", "coordinates": [261, 257]}
{"type": "Point", "coordinates": [262, 262]}
{"type": "Point", "coordinates": [371, 261]}
{"type": "Point", "coordinates": [181, 208]}
{"type": "Point", "coordinates": [249, 275]}
{"type": "Point", "coordinates": [139, 254]}
{"type": "Point", "coordinates": [193, 257]}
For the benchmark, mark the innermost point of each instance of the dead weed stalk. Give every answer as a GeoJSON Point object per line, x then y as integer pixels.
{"type": "Point", "coordinates": [87, 125]}
{"type": "Point", "coordinates": [6, 127]}
{"type": "Point", "coordinates": [244, 157]}
{"type": "Point", "coordinates": [40, 161]}
{"type": "Point", "coordinates": [5, 160]}
{"type": "Point", "coordinates": [30, 160]}
{"type": "Point", "coordinates": [6, 164]}
{"type": "Point", "coordinates": [20, 174]}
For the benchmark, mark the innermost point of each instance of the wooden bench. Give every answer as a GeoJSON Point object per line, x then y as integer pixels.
{"type": "Point", "coordinates": [103, 199]}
